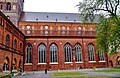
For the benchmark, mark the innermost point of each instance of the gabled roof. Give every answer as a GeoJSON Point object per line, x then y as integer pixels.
{"type": "Point", "coordinates": [52, 17]}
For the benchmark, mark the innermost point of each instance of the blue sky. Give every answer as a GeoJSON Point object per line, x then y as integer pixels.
{"type": "Point", "coordinates": [68, 6]}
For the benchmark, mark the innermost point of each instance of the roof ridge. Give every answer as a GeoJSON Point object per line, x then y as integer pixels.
{"type": "Point", "coordinates": [50, 12]}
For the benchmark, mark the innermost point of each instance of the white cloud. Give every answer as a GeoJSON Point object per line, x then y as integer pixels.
{"type": "Point", "coordinates": [68, 6]}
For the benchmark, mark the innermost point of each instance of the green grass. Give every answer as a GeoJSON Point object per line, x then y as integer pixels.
{"type": "Point", "coordinates": [111, 70]}
{"type": "Point", "coordinates": [78, 74]}
{"type": "Point", "coordinates": [67, 74]}
{"type": "Point", "coordinates": [7, 76]}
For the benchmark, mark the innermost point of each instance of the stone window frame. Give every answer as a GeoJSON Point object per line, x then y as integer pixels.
{"type": "Point", "coordinates": [41, 54]}
{"type": "Point", "coordinates": [21, 48]}
{"type": "Point", "coordinates": [78, 53]}
{"type": "Point", "coordinates": [7, 41]}
{"type": "Point", "coordinates": [91, 52]}
{"type": "Point", "coordinates": [15, 44]}
{"type": "Point", "coordinates": [68, 53]}
{"type": "Point", "coordinates": [28, 59]}
{"type": "Point", "coordinates": [101, 56]}
{"type": "Point", "coordinates": [8, 6]}
{"type": "Point", "coordinates": [14, 7]}
{"type": "Point", "coordinates": [1, 6]}
{"type": "Point", "coordinates": [53, 54]}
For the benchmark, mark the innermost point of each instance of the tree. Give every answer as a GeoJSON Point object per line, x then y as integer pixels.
{"type": "Point", "coordinates": [108, 27]}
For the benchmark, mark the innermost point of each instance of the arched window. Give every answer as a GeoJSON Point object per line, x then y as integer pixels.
{"type": "Point", "coordinates": [15, 44]}
{"type": "Point", "coordinates": [78, 53]}
{"type": "Point", "coordinates": [20, 64]}
{"type": "Point", "coordinates": [29, 53]}
{"type": "Point", "coordinates": [42, 54]}
{"type": "Point", "coordinates": [21, 48]}
{"type": "Point", "coordinates": [14, 63]}
{"type": "Point", "coordinates": [1, 6]}
{"type": "Point", "coordinates": [68, 54]}
{"type": "Point", "coordinates": [8, 7]}
{"type": "Point", "coordinates": [53, 53]}
{"type": "Point", "coordinates": [63, 30]}
{"type": "Point", "coordinates": [118, 60]}
{"type": "Point", "coordinates": [7, 40]}
{"type": "Point", "coordinates": [91, 52]}
{"type": "Point", "coordinates": [0, 20]}
{"type": "Point", "coordinates": [6, 64]}
{"type": "Point", "coordinates": [79, 28]}
{"type": "Point", "coordinates": [14, 6]}
{"type": "Point", "coordinates": [101, 56]}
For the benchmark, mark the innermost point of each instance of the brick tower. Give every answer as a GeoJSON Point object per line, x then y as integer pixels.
{"type": "Point", "coordinates": [12, 9]}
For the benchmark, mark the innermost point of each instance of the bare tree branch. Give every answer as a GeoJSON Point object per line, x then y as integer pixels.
{"type": "Point", "coordinates": [111, 5]}
{"type": "Point", "coordinates": [107, 9]}
{"type": "Point", "coordinates": [116, 7]}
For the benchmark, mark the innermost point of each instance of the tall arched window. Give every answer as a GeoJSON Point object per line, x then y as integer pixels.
{"type": "Point", "coordinates": [6, 64]}
{"type": "Point", "coordinates": [21, 48]}
{"type": "Point", "coordinates": [15, 44]}
{"type": "Point", "coordinates": [7, 40]}
{"type": "Point", "coordinates": [68, 54]}
{"type": "Point", "coordinates": [53, 53]}
{"type": "Point", "coordinates": [78, 53]}
{"type": "Point", "coordinates": [118, 60]}
{"type": "Point", "coordinates": [14, 6]}
{"type": "Point", "coordinates": [101, 56]}
{"type": "Point", "coordinates": [8, 7]}
{"type": "Point", "coordinates": [1, 6]}
{"type": "Point", "coordinates": [42, 54]}
{"type": "Point", "coordinates": [91, 52]}
{"type": "Point", "coordinates": [29, 53]}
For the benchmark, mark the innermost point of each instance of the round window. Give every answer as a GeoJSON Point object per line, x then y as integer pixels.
{"type": "Point", "coordinates": [46, 27]}
{"type": "Point", "coordinates": [63, 28]}
{"type": "Point", "coordinates": [28, 27]}
{"type": "Point", "coordinates": [79, 28]}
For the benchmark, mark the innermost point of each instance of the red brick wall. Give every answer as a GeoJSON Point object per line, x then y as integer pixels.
{"type": "Point", "coordinates": [37, 30]}
{"type": "Point", "coordinates": [61, 64]}
{"type": "Point", "coordinates": [6, 27]}
{"type": "Point", "coordinates": [113, 59]}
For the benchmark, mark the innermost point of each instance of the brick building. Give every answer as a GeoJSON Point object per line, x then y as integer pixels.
{"type": "Point", "coordinates": [59, 41]}
{"type": "Point", "coordinates": [11, 45]}
{"type": "Point", "coordinates": [52, 40]}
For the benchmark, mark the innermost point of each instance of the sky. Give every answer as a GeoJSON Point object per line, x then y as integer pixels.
{"type": "Point", "coordinates": [65, 6]}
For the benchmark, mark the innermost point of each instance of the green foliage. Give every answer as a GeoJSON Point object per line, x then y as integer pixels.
{"type": "Point", "coordinates": [117, 67]}
{"type": "Point", "coordinates": [111, 70]}
{"type": "Point", "coordinates": [108, 35]}
{"type": "Point", "coordinates": [67, 73]}
{"type": "Point", "coordinates": [7, 76]}
{"type": "Point", "coordinates": [108, 28]}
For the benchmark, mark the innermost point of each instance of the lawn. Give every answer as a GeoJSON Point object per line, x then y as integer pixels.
{"type": "Point", "coordinates": [111, 70]}
{"type": "Point", "coordinates": [79, 74]}
{"type": "Point", "coordinates": [73, 75]}
{"type": "Point", "coordinates": [67, 73]}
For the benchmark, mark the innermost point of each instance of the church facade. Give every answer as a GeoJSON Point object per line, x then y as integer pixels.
{"type": "Point", "coordinates": [47, 40]}
{"type": "Point", "coordinates": [59, 41]}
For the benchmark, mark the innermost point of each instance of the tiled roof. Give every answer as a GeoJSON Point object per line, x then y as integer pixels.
{"type": "Point", "coordinates": [51, 17]}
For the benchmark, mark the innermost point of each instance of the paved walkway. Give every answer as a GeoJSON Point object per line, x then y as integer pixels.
{"type": "Point", "coordinates": [41, 74]}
